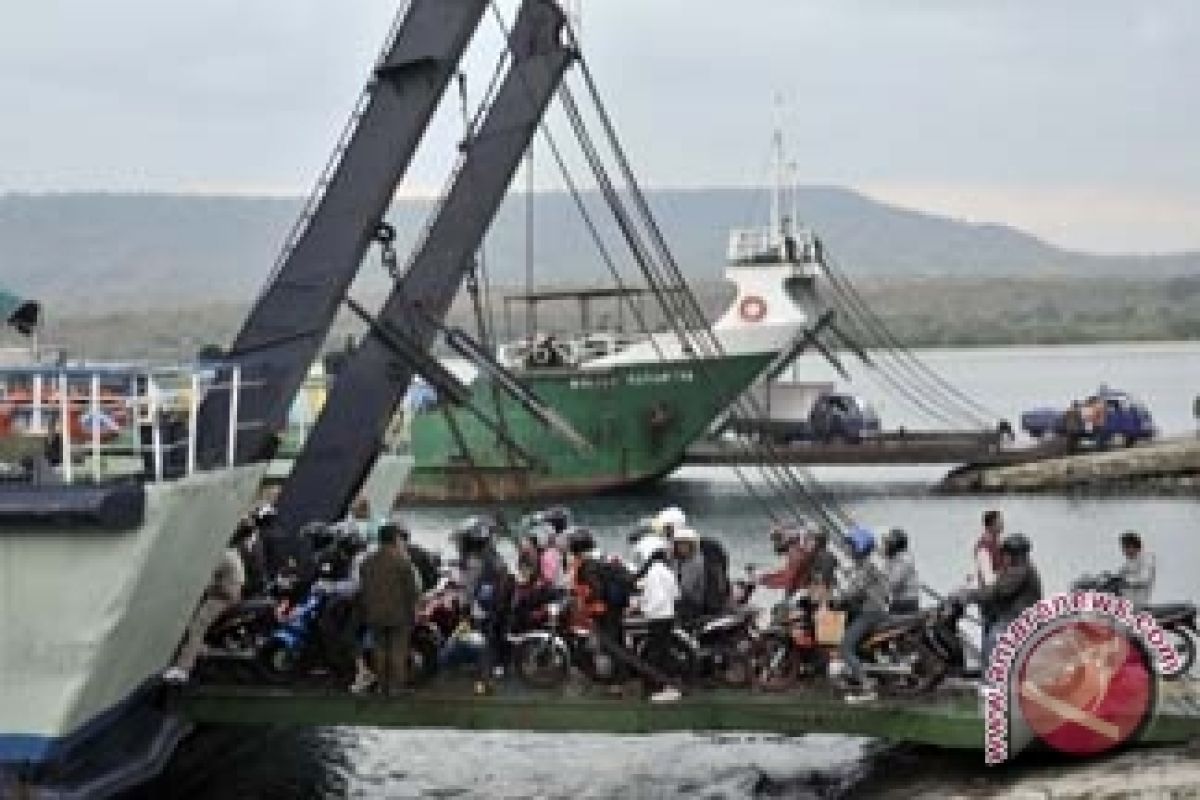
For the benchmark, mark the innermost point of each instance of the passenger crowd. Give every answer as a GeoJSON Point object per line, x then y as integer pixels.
{"type": "Point", "coordinates": [673, 574]}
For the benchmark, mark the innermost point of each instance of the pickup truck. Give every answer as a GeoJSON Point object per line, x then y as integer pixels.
{"type": "Point", "coordinates": [1106, 417]}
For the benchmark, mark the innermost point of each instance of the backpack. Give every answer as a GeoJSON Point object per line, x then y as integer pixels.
{"type": "Point", "coordinates": [426, 564]}
{"type": "Point", "coordinates": [610, 583]}
{"type": "Point", "coordinates": [716, 575]}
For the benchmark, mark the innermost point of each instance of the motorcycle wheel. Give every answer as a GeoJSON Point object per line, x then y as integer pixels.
{"type": "Point", "coordinates": [275, 662]}
{"type": "Point", "coordinates": [681, 660]}
{"type": "Point", "coordinates": [773, 665]}
{"type": "Point", "coordinates": [928, 671]}
{"type": "Point", "coordinates": [422, 660]}
{"type": "Point", "coordinates": [1185, 646]}
{"type": "Point", "coordinates": [542, 663]}
{"type": "Point", "coordinates": [737, 668]}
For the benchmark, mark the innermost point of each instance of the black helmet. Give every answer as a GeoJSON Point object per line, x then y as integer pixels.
{"type": "Point", "coordinates": [558, 518]}
{"type": "Point", "coordinates": [820, 538]}
{"type": "Point", "coordinates": [580, 541]}
{"type": "Point", "coordinates": [319, 534]}
{"type": "Point", "coordinates": [1016, 544]}
{"type": "Point", "coordinates": [475, 530]}
{"type": "Point", "coordinates": [895, 541]}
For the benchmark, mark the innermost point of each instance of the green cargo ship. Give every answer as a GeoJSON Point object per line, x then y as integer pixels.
{"type": "Point", "coordinates": [638, 418]}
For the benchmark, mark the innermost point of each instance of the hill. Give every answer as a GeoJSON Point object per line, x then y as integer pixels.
{"type": "Point", "coordinates": [102, 252]}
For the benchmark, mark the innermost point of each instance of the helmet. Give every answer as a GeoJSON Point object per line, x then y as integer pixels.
{"type": "Point", "coordinates": [1016, 544]}
{"type": "Point", "coordinates": [672, 517]}
{"type": "Point", "coordinates": [895, 541]}
{"type": "Point", "coordinates": [820, 537]}
{"type": "Point", "coordinates": [318, 534]}
{"type": "Point", "coordinates": [783, 537]}
{"type": "Point", "coordinates": [558, 518]}
{"type": "Point", "coordinates": [580, 541]}
{"type": "Point", "coordinates": [647, 547]}
{"type": "Point", "coordinates": [861, 541]}
{"type": "Point", "coordinates": [265, 515]}
{"type": "Point", "coordinates": [686, 535]}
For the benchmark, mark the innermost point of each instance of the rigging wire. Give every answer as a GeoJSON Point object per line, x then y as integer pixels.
{"type": "Point", "coordinates": [981, 412]}
{"type": "Point", "coordinates": [773, 468]}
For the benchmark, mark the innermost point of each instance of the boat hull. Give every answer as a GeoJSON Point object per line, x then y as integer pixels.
{"type": "Point", "coordinates": [89, 616]}
{"type": "Point", "coordinates": [639, 420]}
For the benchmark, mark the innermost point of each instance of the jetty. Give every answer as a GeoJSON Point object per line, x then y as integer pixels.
{"type": "Point", "coordinates": [896, 448]}
{"type": "Point", "coordinates": [950, 718]}
{"type": "Point", "coordinates": [1167, 465]}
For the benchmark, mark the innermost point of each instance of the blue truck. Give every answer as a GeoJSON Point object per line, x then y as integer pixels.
{"type": "Point", "coordinates": [1108, 417]}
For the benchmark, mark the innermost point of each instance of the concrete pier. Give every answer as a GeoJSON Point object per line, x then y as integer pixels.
{"type": "Point", "coordinates": [1166, 465]}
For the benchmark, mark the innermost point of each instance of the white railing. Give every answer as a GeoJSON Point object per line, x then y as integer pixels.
{"type": "Point", "coordinates": [95, 423]}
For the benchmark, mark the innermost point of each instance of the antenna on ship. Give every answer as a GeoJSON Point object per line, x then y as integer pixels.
{"type": "Point", "coordinates": [778, 165]}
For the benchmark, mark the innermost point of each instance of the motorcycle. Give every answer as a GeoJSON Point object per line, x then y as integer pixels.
{"type": "Point", "coordinates": [543, 657]}
{"type": "Point", "coordinates": [912, 654]}
{"type": "Point", "coordinates": [907, 655]}
{"type": "Point", "coordinates": [722, 645]}
{"type": "Point", "coordinates": [785, 651]}
{"type": "Point", "coordinates": [1177, 620]}
{"type": "Point", "coordinates": [316, 639]}
{"type": "Point", "coordinates": [243, 628]}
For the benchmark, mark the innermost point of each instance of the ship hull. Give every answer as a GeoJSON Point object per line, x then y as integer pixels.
{"type": "Point", "coordinates": [639, 420]}
{"type": "Point", "coordinates": [89, 617]}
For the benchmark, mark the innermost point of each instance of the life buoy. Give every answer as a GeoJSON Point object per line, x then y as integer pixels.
{"type": "Point", "coordinates": [752, 308]}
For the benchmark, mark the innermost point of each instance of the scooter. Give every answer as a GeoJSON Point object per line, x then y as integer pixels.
{"type": "Point", "coordinates": [1177, 620]}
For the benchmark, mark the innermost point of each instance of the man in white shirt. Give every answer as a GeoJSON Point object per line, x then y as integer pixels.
{"type": "Point", "coordinates": [660, 592]}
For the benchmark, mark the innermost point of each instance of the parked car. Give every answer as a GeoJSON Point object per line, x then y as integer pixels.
{"type": "Point", "coordinates": [1106, 417]}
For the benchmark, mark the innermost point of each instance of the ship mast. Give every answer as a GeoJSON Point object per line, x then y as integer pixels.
{"type": "Point", "coordinates": [780, 222]}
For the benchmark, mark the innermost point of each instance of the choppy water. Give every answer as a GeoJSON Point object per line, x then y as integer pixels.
{"type": "Point", "coordinates": [1071, 535]}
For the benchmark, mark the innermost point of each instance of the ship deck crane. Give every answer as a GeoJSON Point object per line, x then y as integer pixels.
{"type": "Point", "coordinates": [346, 439]}
{"type": "Point", "coordinates": [287, 325]}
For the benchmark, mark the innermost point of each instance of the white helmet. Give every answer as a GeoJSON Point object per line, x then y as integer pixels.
{"type": "Point", "coordinates": [671, 516]}
{"type": "Point", "coordinates": [646, 547]}
{"type": "Point", "coordinates": [686, 535]}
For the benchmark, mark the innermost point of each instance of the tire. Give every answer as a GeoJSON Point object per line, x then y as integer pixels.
{"type": "Point", "coordinates": [543, 663]}
{"type": "Point", "coordinates": [1185, 646]}
{"type": "Point", "coordinates": [682, 659]}
{"type": "Point", "coordinates": [276, 663]}
{"type": "Point", "coordinates": [422, 659]}
{"type": "Point", "coordinates": [928, 671]}
{"type": "Point", "coordinates": [737, 669]}
{"type": "Point", "coordinates": [773, 664]}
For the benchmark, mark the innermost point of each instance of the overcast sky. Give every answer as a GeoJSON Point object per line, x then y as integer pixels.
{"type": "Point", "coordinates": [1078, 120]}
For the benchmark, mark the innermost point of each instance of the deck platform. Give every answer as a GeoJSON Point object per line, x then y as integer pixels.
{"type": "Point", "coordinates": [951, 719]}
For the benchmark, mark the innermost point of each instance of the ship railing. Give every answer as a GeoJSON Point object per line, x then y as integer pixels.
{"type": "Point", "coordinates": [92, 424]}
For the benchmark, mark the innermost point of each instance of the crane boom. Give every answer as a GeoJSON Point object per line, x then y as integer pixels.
{"type": "Point", "coordinates": [288, 324]}
{"type": "Point", "coordinates": [346, 440]}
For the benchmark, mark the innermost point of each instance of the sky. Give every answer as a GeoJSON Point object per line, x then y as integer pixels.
{"type": "Point", "coordinates": [1077, 120]}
